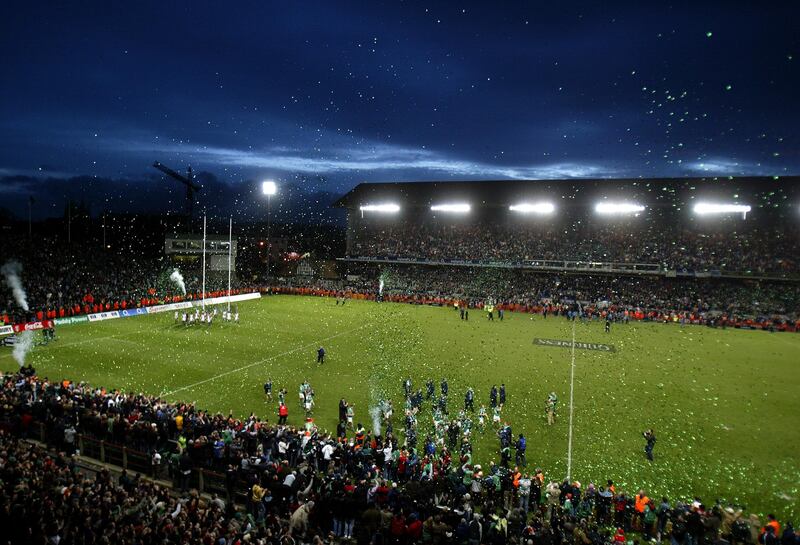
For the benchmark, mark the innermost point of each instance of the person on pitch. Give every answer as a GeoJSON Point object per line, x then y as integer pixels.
{"type": "Point", "coordinates": [268, 389]}
{"type": "Point", "coordinates": [320, 355]}
{"type": "Point", "coordinates": [495, 416]}
{"type": "Point", "coordinates": [650, 437]}
{"type": "Point", "coordinates": [283, 414]}
{"type": "Point", "coordinates": [520, 447]}
{"type": "Point", "coordinates": [550, 408]}
{"type": "Point", "coordinates": [431, 389]}
{"type": "Point", "coordinates": [301, 393]}
{"type": "Point", "coordinates": [469, 400]}
{"type": "Point", "coordinates": [351, 412]}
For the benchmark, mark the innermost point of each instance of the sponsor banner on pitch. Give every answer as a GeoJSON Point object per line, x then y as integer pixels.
{"type": "Point", "coordinates": [579, 345]}
{"type": "Point", "coordinates": [127, 313]}
{"type": "Point", "coordinates": [71, 320]}
{"type": "Point", "coordinates": [32, 326]}
{"type": "Point", "coordinates": [225, 299]}
{"type": "Point", "coordinates": [6, 330]}
{"type": "Point", "coordinates": [171, 306]}
{"type": "Point", "coordinates": [100, 316]}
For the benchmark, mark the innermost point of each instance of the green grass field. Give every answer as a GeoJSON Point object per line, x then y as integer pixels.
{"type": "Point", "coordinates": [724, 404]}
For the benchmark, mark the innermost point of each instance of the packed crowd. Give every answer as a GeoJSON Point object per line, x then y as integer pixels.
{"type": "Point", "coordinates": [63, 280]}
{"type": "Point", "coordinates": [750, 299]}
{"type": "Point", "coordinates": [46, 500]}
{"type": "Point", "coordinates": [750, 249]}
{"type": "Point", "coordinates": [69, 277]}
{"type": "Point", "coordinates": [304, 486]}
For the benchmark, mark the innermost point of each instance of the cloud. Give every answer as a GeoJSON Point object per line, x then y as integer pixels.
{"type": "Point", "coordinates": [362, 158]}
{"type": "Point", "coordinates": [731, 167]}
{"type": "Point", "coordinates": [13, 175]}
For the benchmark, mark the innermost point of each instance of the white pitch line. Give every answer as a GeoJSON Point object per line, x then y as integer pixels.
{"type": "Point", "coordinates": [265, 360]}
{"type": "Point", "coordinates": [571, 404]}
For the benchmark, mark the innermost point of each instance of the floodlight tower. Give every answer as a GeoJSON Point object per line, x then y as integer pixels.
{"type": "Point", "coordinates": [268, 188]}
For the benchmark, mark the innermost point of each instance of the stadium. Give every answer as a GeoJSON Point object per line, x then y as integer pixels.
{"type": "Point", "coordinates": [655, 317]}
{"type": "Point", "coordinates": [400, 273]}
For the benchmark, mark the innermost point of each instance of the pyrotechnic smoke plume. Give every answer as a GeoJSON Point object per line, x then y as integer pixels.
{"type": "Point", "coordinates": [375, 413]}
{"type": "Point", "coordinates": [11, 272]}
{"type": "Point", "coordinates": [177, 277]}
{"type": "Point", "coordinates": [22, 345]}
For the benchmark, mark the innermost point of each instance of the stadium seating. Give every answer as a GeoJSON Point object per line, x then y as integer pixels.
{"type": "Point", "coordinates": [752, 250]}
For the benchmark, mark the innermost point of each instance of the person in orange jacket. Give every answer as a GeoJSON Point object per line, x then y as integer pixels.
{"type": "Point", "coordinates": [772, 522]}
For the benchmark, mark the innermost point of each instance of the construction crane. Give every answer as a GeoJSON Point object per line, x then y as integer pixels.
{"type": "Point", "coordinates": [188, 181]}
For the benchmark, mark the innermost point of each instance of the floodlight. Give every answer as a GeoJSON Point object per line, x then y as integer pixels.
{"type": "Point", "coordinates": [269, 187]}
{"type": "Point", "coordinates": [618, 208]}
{"type": "Point", "coordinates": [533, 208]}
{"type": "Point", "coordinates": [453, 207]}
{"type": "Point", "coordinates": [706, 208]}
{"type": "Point", "coordinates": [385, 207]}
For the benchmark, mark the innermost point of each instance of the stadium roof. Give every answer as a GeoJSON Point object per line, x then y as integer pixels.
{"type": "Point", "coordinates": [502, 192]}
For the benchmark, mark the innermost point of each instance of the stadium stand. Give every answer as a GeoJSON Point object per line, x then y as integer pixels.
{"type": "Point", "coordinates": [753, 251]}
{"type": "Point", "coordinates": [666, 235]}
{"type": "Point", "coordinates": [65, 280]}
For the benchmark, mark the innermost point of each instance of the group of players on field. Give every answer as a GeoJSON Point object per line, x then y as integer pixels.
{"type": "Point", "coordinates": [205, 317]}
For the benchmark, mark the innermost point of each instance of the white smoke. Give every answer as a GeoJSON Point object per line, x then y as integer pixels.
{"type": "Point", "coordinates": [381, 283]}
{"type": "Point", "coordinates": [23, 343]}
{"type": "Point", "coordinates": [11, 272]}
{"type": "Point", "coordinates": [177, 277]}
{"type": "Point", "coordinates": [375, 413]}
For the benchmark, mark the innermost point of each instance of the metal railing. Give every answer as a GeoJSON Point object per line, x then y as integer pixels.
{"type": "Point", "coordinates": [106, 452]}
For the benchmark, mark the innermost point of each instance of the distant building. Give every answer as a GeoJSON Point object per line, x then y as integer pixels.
{"type": "Point", "coordinates": [188, 250]}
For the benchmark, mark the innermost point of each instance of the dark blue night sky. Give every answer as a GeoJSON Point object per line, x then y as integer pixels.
{"type": "Point", "coordinates": [323, 95]}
